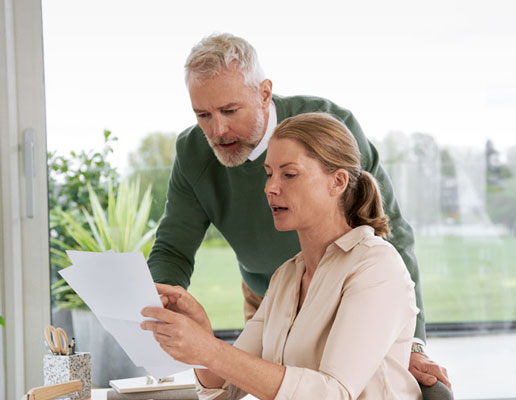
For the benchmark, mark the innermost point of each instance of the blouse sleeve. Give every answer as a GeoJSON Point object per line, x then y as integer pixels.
{"type": "Point", "coordinates": [377, 304]}
{"type": "Point", "coordinates": [250, 340]}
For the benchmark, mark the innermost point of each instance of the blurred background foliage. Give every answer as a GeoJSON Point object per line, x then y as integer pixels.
{"type": "Point", "coordinates": [68, 177]}
{"type": "Point", "coordinates": [92, 207]}
{"type": "Point", "coordinates": [123, 226]}
{"type": "Point", "coordinates": [460, 202]}
{"type": "Point", "coordinates": [151, 162]}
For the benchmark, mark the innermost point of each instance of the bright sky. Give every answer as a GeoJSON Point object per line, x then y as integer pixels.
{"type": "Point", "coordinates": [446, 67]}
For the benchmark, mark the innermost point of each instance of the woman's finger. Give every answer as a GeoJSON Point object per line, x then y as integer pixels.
{"type": "Point", "coordinates": [169, 290]}
{"type": "Point", "coordinates": [161, 314]}
{"type": "Point", "coordinates": [164, 300]}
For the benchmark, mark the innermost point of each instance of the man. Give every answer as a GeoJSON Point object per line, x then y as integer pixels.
{"type": "Point", "coordinates": [218, 177]}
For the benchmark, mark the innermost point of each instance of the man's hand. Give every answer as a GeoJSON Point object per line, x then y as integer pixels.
{"type": "Point", "coordinates": [426, 371]}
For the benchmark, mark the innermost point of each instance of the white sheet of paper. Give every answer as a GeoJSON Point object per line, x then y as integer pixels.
{"type": "Point", "coordinates": [102, 277]}
{"type": "Point", "coordinates": [116, 287]}
{"type": "Point", "coordinates": [148, 351]}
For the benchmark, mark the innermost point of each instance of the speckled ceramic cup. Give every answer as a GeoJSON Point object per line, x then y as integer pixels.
{"type": "Point", "coordinates": [61, 369]}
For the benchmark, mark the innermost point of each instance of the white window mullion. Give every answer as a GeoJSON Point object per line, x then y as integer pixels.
{"type": "Point", "coordinates": [12, 293]}
{"type": "Point", "coordinates": [24, 261]}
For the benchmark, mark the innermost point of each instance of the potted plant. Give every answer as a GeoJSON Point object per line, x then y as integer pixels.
{"type": "Point", "coordinates": [123, 226]}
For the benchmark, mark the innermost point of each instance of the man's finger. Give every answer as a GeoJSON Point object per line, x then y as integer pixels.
{"type": "Point", "coordinates": [440, 373]}
{"type": "Point", "coordinates": [423, 378]}
{"type": "Point", "coordinates": [444, 379]}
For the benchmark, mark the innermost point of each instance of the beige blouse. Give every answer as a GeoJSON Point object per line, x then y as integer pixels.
{"type": "Point", "coordinates": [352, 336]}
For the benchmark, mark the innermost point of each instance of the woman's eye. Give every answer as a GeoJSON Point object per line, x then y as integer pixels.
{"type": "Point", "coordinates": [290, 176]}
{"type": "Point", "coordinates": [268, 176]}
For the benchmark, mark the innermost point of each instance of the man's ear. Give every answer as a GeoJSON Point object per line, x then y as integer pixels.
{"type": "Point", "coordinates": [340, 181]}
{"type": "Point", "coordinates": [266, 93]}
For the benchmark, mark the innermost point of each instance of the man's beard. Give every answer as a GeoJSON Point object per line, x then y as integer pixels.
{"type": "Point", "coordinates": [240, 153]}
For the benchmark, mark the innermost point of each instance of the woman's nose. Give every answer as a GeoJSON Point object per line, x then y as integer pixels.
{"type": "Point", "coordinates": [271, 186]}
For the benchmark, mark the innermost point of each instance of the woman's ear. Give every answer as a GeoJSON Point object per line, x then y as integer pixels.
{"type": "Point", "coordinates": [340, 182]}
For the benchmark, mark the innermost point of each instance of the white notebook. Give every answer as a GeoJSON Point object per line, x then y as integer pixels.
{"type": "Point", "coordinates": [182, 380]}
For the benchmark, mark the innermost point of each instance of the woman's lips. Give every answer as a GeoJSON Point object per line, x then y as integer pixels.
{"type": "Point", "coordinates": [278, 210]}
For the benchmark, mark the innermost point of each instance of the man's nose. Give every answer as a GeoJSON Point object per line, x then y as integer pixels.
{"type": "Point", "coordinates": [219, 126]}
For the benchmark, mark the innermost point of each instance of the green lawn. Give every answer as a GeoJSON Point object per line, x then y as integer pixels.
{"type": "Point", "coordinates": [216, 284]}
{"type": "Point", "coordinates": [464, 279]}
{"type": "Point", "coordinates": [468, 279]}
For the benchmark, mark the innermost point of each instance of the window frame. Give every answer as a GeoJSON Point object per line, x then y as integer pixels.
{"type": "Point", "coordinates": [24, 249]}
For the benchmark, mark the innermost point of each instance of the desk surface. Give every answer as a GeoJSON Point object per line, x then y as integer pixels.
{"type": "Point", "coordinates": [100, 394]}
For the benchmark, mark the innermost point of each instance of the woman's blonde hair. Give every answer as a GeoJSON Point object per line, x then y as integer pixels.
{"type": "Point", "coordinates": [223, 51]}
{"type": "Point", "coordinates": [328, 140]}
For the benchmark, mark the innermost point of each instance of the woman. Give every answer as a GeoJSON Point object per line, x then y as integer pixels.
{"type": "Point", "coordinates": [338, 318]}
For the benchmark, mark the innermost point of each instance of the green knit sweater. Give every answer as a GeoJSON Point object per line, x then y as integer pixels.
{"type": "Point", "coordinates": [203, 191]}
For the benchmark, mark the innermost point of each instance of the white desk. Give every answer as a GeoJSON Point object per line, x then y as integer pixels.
{"type": "Point", "coordinates": [100, 394]}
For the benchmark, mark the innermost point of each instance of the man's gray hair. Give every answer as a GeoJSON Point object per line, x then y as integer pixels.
{"type": "Point", "coordinates": [224, 51]}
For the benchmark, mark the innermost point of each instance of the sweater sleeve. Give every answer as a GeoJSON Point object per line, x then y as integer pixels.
{"type": "Point", "coordinates": [377, 308]}
{"type": "Point", "coordinates": [401, 235]}
{"type": "Point", "coordinates": [180, 232]}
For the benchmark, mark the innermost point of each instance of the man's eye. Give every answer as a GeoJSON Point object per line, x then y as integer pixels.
{"type": "Point", "coordinates": [203, 115]}
{"type": "Point", "coordinates": [268, 176]}
{"type": "Point", "coordinates": [230, 111]}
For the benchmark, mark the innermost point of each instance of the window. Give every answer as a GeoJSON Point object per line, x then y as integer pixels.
{"type": "Point", "coordinates": [432, 86]}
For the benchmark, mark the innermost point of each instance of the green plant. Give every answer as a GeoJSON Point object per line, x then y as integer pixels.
{"type": "Point", "coordinates": [68, 176]}
{"type": "Point", "coordinates": [68, 191]}
{"type": "Point", "coordinates": [2, 322]}
{"type": "Point", "coordinates": [123, 227]}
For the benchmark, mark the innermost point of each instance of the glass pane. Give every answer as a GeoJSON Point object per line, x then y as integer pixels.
{"type": "Point", "coordinates": [460, 202]}
{"type": "Point", "coordinates": [433, 87]}
{"type": "Point", "coordinates": [216, 285]}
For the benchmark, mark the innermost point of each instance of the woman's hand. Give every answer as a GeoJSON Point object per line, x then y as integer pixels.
{"type": "Point", "coordinates": [180, 336]}
{"type": "Point", "coordinates": [177, 299]}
